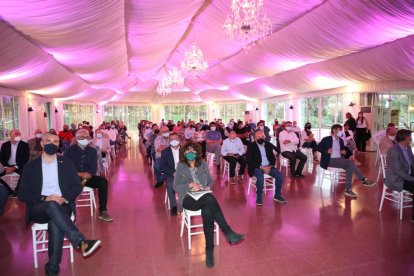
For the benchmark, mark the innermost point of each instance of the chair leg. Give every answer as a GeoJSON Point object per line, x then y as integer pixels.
{"type": "Point", "coordinates": [384, 189]}
{"type": "Point", "coordinates": [71, 253]}
{"type": "Point", "coordinates": [248, 188]}
{"type": "Point", "coordinates": [217, 233]}
{"type": "Point", "coordinates": [182, 225]}
{"type": "Point", "coordinates": [34, 248]}
{"type": "Point", "coordinates": [401, 204]}
{"type": "Point", "coordinates": [189, 231]}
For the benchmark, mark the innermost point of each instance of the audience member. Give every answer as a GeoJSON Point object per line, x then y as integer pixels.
{"type": "Point", "coordinates": [308, 139]}
{"type": "Point", "coordinates": [350, 120]}
{"type": "Point", "coordinates": [349, 142]}
{"type": "Point", "coordinates": [189, 131]}
{"type": "Point", "coordinates": [213, 142]}
{"type": "Point", "coordinates": [65, 134]}
{"type": "Point", "coordinates": [388, 141]}
{"type": "Point", "coordinates": [232, 151]}
{"type": "Point", "coordinates": [362, 132]}
{"type": "Point", "coordinates": [101, 141]}
{"type": "Point", "coordinates": [380, 134]}
{"type": "Point", "coordinates": [161, 143]}
{"type": "Point", "coordinates": [35, 146]}
{"type": "Point", "coordinates": [289, 147]}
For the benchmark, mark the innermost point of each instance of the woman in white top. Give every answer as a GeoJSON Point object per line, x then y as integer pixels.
{"type": "Point", "coordinates": [361, 135]}
{"type": "Point", "coordinates": [349, 142]}
{"type": "Point", "coordinates": [308, 140]}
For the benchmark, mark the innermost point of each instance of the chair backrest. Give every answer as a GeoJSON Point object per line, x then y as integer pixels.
{"type": "Point", "coordinates": [383, 158]}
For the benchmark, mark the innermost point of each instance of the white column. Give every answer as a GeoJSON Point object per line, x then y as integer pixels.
{"type": "Point", "coordinates": [23, 116]}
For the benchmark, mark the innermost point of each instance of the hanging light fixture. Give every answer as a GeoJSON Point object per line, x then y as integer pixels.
{"type": "Point", "coordinates": [194, 63]}
{"type": "Point", "coordinates": [164, 87]}
{"type": "Point", "coordinates": [247, 21]}
{"type": "Point", "coordinates": [172, 81]}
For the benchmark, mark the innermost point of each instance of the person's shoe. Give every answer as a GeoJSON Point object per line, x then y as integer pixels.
{"type": "Point", "coordinates": [158, 184]}
{"type": "Point", "coordinates": [368, 183]}
{"type": "Point", "coordinates": [300, 175]}
{"type": "Point", "coordinates": [241, 178]}
{"type": "Point", "coordinates": [103, 215]}
{"type": "Point", "coordinates": [13, 196]}
{"type": "Point", "coordinates": [234, 238]}
{"type": "Point", "coordinates": [173, 211]}
{"type": "Point", "coordinates": [87, 247]}
{"type": "Point", "coordinates": [350, 193]}
{"type": "Point", "coordinates": [259, 202]}
{"type": "Point", "coordinates": [209, 258]}
{"type": "Point", "coordinates": [279, 199]}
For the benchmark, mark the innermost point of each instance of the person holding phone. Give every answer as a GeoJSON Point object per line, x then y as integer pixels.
{"type": "Point", "coordinates": [193, 183]}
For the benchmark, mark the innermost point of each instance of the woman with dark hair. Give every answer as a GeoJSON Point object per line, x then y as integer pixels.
{"type": "Point", "coordinates": [193, 183]}
{"type": "Point", "coordinates": [361, 135]}
{"type": "Point", "coordinates": [308, 140]}
{"type": "Point", "coordinates": [350, 120]}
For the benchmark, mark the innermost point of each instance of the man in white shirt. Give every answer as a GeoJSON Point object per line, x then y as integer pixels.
{"type": "Point", "coordinates": [289, 147]}
{"type": "Point", "coordinates": [232, 151]}
{"type": "Point", "coordinates": [170, 157]}
{"type": "Point", "coordinates": [382, 133]}
{"type": "Point", "coordinates": [189, 131]}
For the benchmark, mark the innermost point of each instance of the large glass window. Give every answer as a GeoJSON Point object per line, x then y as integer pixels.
{"type": "Point", "coordinates": [9, 115]}
{"type": "Point", "coordinates": [276, 110]}
{"type": "Point", "coordinates": [130, 115]}
{"type": "Point", "coordinates": [185, 112]}
{"type": "Point", "coordinates": [77, 113]}
{"type": "Point", "coordinates": [232, 111]}
{"type": "Point", "coordinates": [398, 109]}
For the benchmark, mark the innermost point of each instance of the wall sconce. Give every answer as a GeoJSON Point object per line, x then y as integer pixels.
{"type": "Point", "coordinates": [351, 104]}
{"type": "Point", "coordinates": [45, 114]}
{"type": "Point", "coordinates": [30, 109]}
{"type": "Point", "coordinates": [56, 110]}
{"type": "Point", "coordinates": [291, 107]}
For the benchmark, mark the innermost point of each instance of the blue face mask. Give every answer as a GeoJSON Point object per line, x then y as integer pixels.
{"type": "Point", "coordinates": [340, 133]}
{"type": "Point", "coordinates": [191, 156]}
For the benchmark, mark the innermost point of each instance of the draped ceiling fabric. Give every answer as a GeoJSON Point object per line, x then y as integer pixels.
{"type": "Point", "coordinates": [118, 50]}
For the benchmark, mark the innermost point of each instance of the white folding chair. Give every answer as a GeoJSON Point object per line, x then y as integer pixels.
{"type": "Point", "coordinates": [383, 166]}
{"type": "Point", "coordinates": [334, 175]}
{"type": "Point", "coordinates": [268, 184]}
{"type": "Point", "coordinates": [284, 162]}
{"type": "Point", "coordinates": [226, 169]}
{"type": "Point", "coordinates": [11, 180]}
{"type": "Point", "coordinates": [87, 199]}
{"type": "Point", "coordinates": [403, 199]}
{"type": "Point", "coordinates": [210, 158]}
{"type": "Point", "coordinates": [186, 221]}
{"type": "Point", "coordinates": [40, 241]}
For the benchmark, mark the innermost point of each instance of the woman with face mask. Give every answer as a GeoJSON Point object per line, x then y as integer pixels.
{"type": "Point", "coordinates": [308, 140]}
{"type": "Point", "coordinates": [348, 138]}
{"type": "Point", "coordinates": [362, 132]}
{"type": "Point", "coordinates": [193, 183]}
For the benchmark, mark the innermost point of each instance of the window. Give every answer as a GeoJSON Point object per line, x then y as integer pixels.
{"type": "Point", "coordinates": [185, 112]}
{"type": "Point", "coordinates": [130, 115]}
{"type": "Point", "coordinates": [9, 115]}
{"type": "Point", "coordinates": [331, 110]}
{"type": "Point", "coordinates": [275, 110]}
{"type": "Point", "coordinates": [398, 109]}
{"type": "Point", "coordinates": [77, 113]}
{"type": "Point", "coordinates": [232, 111]}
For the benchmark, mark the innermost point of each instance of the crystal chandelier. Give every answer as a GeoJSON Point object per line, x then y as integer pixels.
{"type": "Point", "coordinates": [173, 81]}
{"type": "Point", "coordinates": [247, 21]}
{"type": "Point", "coordinates": [164, 87]}
{"type": "Point", "coordinates": [194, 63]}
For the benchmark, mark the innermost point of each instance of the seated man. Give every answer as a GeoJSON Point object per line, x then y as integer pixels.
{"type": "Point", "coordinates": [400, 164]}
{"type": "Point", "coordinates": [332, 151]}
{"type": "Point", "coordinates": [388, 141]}
{"type": "Point", "coordinates": [243, 132]}
{"type": "Point", "coordinates": [84, 157]}
{"type": "Point", "coordinates": [261, 160]}
{"type": "Point", "coordinates": [65, 134]}
{"type": "Point", "coordinates": [14, 154]}
{"type": "Point", "coordinates": [35, 146]}
{"type": "Point", "coordinates": [169, 160]}
{"type": "Point", "coordinates": [161, 142]}
{"type": "Point", "coordinates": [213, 142]}
{"type": "Point", "coordinates": [189, 131]}
{"type": "Point", "coordinates": [101, 140]}
{"type": "Point", "coordinates": [261, 126]}
{"type": "Point", "coordinates": [232, 151]}
{"type": "Point", "coordinates": [49, 188]}
{"type": "Point", "coordinates": [380, 134]}
{"type": "Point", "coordinates": [289, 147]}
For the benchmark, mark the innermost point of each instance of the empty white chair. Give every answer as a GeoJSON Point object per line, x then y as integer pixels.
{"type": "Point", "coordinates": [11, 180]}
{"type": "Point", "coordinates": [403, 199]}
{"type": "Point", "coordinates": [334, 175]}
{"type": "Point", "coordinates": [87, 199]}
{"type": "Point", "coordinates": [186, 221]}
{"type": "Point", "coordinates": [383, 166]}
{"type": "Point", "coordinates": [40, 241]}
{"type": "Point", "coordinates": [268, 184]}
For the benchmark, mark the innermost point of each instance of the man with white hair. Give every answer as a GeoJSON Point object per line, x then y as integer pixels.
{"type": "Point", "coordinates": [49, 187]}
{"type": "Point", "coordinates": [14, 154]}
{"type": "Point", "coordinates": [160, 143]}
{"type": "Point", "coordinates": [85, 159]}
{"type": "Point", "coordinates": [35, 146]}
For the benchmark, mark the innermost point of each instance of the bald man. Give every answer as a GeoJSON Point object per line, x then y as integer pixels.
{"type": "Point", "coordinates": [35, 146]}
{"type": "Point", "coordinates": [161, 143]}
{"type": "Point", "coordinates": [14, 154]}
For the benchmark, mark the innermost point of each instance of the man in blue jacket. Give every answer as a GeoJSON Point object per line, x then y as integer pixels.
{"type": "Point", "coordinates": [49, 187]}
{"type": "Point", "coordinates": [332, 151]}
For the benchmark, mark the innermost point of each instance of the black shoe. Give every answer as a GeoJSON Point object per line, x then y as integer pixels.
{"type": "Point", "coordinates": [259, 202]}
{"type": "Point", "coordinates": [368, 183]}
{"type": "Point", "coordinates": [234, 238]}
{"type": "Point", "coordinates": [279, 199]}
{"type": "Point", "coordinates": [350, 193]}
{"type": "Point", "coordinates": [158, 184]}
{"type": "Point", "coordinates": [209, 258]}
{"type": "Point", "coordinates": [173, 211]}
{"type": "Point", "coordinates": [13, 196]}
{"type": "Point", "coordinates": [299, 175]}
{"type": "Point", "coordinates": [89, 246]}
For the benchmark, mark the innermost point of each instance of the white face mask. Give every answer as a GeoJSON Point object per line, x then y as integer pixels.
{"type": "Point", "coordinates": [261, 127]}
{"type": "Point", "coordinates": [17, 138]}
{"type": "Point", "coordinates": [166, 135]}
{"type": "Point", "coordinates": [174, 143]}
{"type": "Point", "coordinates": [392, 138]}
{"type": "Point", "coordinates": [99, 135]}
{"type": "Point", "coordinates": [340, 133]}
{"type": "Point", "coordinates": [39, 135]}
{"type": "Point", "coordinates": [289, 128]}
{"type": "Point", "coordinates": [83, 142]}
{"type": "Point", "coordinates": [112, 126]}
{"type": "Point", "coordinates": [213, 128]}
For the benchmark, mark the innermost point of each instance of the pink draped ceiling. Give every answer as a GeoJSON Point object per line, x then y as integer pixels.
{"type": "Point", "coordinates": [114, 50]}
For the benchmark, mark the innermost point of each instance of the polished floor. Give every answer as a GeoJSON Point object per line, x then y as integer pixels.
{"type": "Point", "coordinates": [316, 233]}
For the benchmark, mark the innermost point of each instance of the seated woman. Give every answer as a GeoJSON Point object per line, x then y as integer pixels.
{"type": "Point", "coordinates": [193, 183]}
{"type": "Point", "coordinates": [308, 140]}
{"type": "Point", "coordinates": [199, 136]}
{"type": "Point", "coordinates": [349, 142]}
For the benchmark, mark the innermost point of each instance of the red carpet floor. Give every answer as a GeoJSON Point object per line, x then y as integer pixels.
{"type": "Point", "coordinates": [316, 233]}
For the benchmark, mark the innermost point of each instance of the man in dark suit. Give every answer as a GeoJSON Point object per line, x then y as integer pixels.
{"type": "Point", "coordinates": [260, 161]}
{"type": "Point", "coordinates": [14, 154]}
{"type": "Point", "coordinates": [400, 164]}
{"type": "Point", "coordinates": [169, 160]}
{"type": "Point", "coordinates": [333, 151]}
{"type": "Point", "coordinates": [49, 187]}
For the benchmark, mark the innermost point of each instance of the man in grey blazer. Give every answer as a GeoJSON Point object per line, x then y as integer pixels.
{"type": "Point", "coordinates": [400, 164]}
